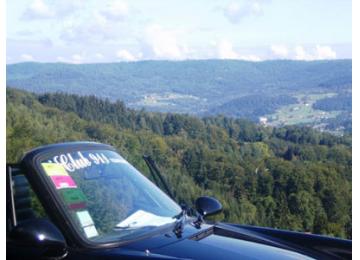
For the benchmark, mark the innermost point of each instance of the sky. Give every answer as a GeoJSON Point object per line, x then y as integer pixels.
{"type": "Point", "coordinates": [88, 31]}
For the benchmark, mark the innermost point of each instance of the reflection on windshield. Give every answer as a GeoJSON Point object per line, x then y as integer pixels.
{"type": "Point", "coordinates": [142, 219]}
{"type": "Point", "coordinates": [105, 194]}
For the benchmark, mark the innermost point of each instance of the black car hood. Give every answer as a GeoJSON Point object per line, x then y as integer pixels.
{"type": "Point", "coordinates": [227, 241]}
{"type": "Point", "coordinates": [209, 242]}
{"type": "Point", "coordinates": [223, 247]}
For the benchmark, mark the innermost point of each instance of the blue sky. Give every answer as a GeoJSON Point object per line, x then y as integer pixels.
{"type": "Point", "coordinates": [85, 31]}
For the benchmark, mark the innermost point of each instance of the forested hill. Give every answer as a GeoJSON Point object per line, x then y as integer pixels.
{"type": "Point", "coordinates": [293, 178]}
{"type": "Point", "coordinates": [204, 87]}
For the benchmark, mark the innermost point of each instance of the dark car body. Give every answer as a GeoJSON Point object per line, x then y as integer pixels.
{"type": "Point", "coordinates": [205, 241]}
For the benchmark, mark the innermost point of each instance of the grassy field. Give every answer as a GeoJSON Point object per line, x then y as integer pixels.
{"type": "Point", "coordinates": [302, 112]}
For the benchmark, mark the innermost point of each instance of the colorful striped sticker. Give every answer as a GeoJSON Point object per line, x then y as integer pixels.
{"type": "Point", "coordinates": [63, 182]}
{"type": "Point", "coordinates": [54, 169]}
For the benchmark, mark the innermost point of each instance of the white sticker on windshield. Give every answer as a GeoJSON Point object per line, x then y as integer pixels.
{"type": "Point", "coordinates": [80, 160]}
{"type": "Point", "coordinates": [90, 231]}
{"type": "Point", "coordinates": [84, 218]}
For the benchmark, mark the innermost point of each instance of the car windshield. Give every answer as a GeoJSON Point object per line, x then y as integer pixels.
{"type": "Point", "coordinates": [106, 198]}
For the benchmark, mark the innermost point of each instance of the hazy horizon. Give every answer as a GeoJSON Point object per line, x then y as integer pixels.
{"type": "Point", "coordinates": [139, 61]}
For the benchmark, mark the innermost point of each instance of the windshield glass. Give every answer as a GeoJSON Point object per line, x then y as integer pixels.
{"type": "Point", "coordinates": [106, 197]}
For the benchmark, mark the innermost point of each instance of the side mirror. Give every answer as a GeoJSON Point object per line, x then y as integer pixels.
{"type": "Point", "coordinates": [41, 236]}
{"type": "Point", "coordinates": [207, 206]}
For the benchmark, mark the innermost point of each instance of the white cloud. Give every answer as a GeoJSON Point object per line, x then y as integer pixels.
{"type": "Point", "coordinates": [250, 57]}
{"type": "Point", "coordinates": [256, 8]}
{"type": "Point", "coordinates": [320, 53]}
{"type": "Point", "coordinates": [325, 52]}
{"type": "Point", "coordinates": [125, 55]}
{"type": "Point", "coordinates": [38, 10]}
{"type": "Point", "coordinates": [280, 51]}
{"type": "Point", "coordinates": [235, 11]}
{"type": "Point", "coordinates": [95, 29]}
{"type": "Point", "coordinates": [163, 43]}
{"type": "Point", "coordinates": [99, 56]}
{"type": "Point", "coordinates": [301, 54]}
{"type": "Point", "coordinates": [27, 57]}
{"type": "Point", "coordinates": [100, 19]}
{"type": "Point", "coordinates": [90, 32]}
{"type": "Point", "coordinates": [60, 59]}
{"type": "Point", "coordinates": [116, 10]}
{"type": "Point", "coordinates": [66, 7]}
{"type": "Point", "coordinates": [225, 50]}
{"type": "Point", "coordinates": [77, 58]}
{"type": "Point", "coordinates": [100, 26]}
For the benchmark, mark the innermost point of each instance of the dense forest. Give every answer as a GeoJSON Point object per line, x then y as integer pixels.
{"type": "Point", "coordinates": [292, 177]}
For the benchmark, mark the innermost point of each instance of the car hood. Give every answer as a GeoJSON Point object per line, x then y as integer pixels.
{"type": "Point", "coordinates": [219, 241]}
{"type": "Point", "coordinates": [223, 247]}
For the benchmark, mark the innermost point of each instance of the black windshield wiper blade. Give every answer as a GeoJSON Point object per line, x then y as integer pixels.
{"type": "Point", "coordinates": [157, 175]}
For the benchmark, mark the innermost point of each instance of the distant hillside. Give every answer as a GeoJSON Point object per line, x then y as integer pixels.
{"type": "Point", "coordinates": [253, 106]}
{"type": "Point", "coordinates": [200, 87]}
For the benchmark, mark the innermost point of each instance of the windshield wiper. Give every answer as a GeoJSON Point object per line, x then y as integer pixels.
{"type": "Point", "coordinates": [155, 173]}
{"type": "Point", "coordinates": [182, 216]}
